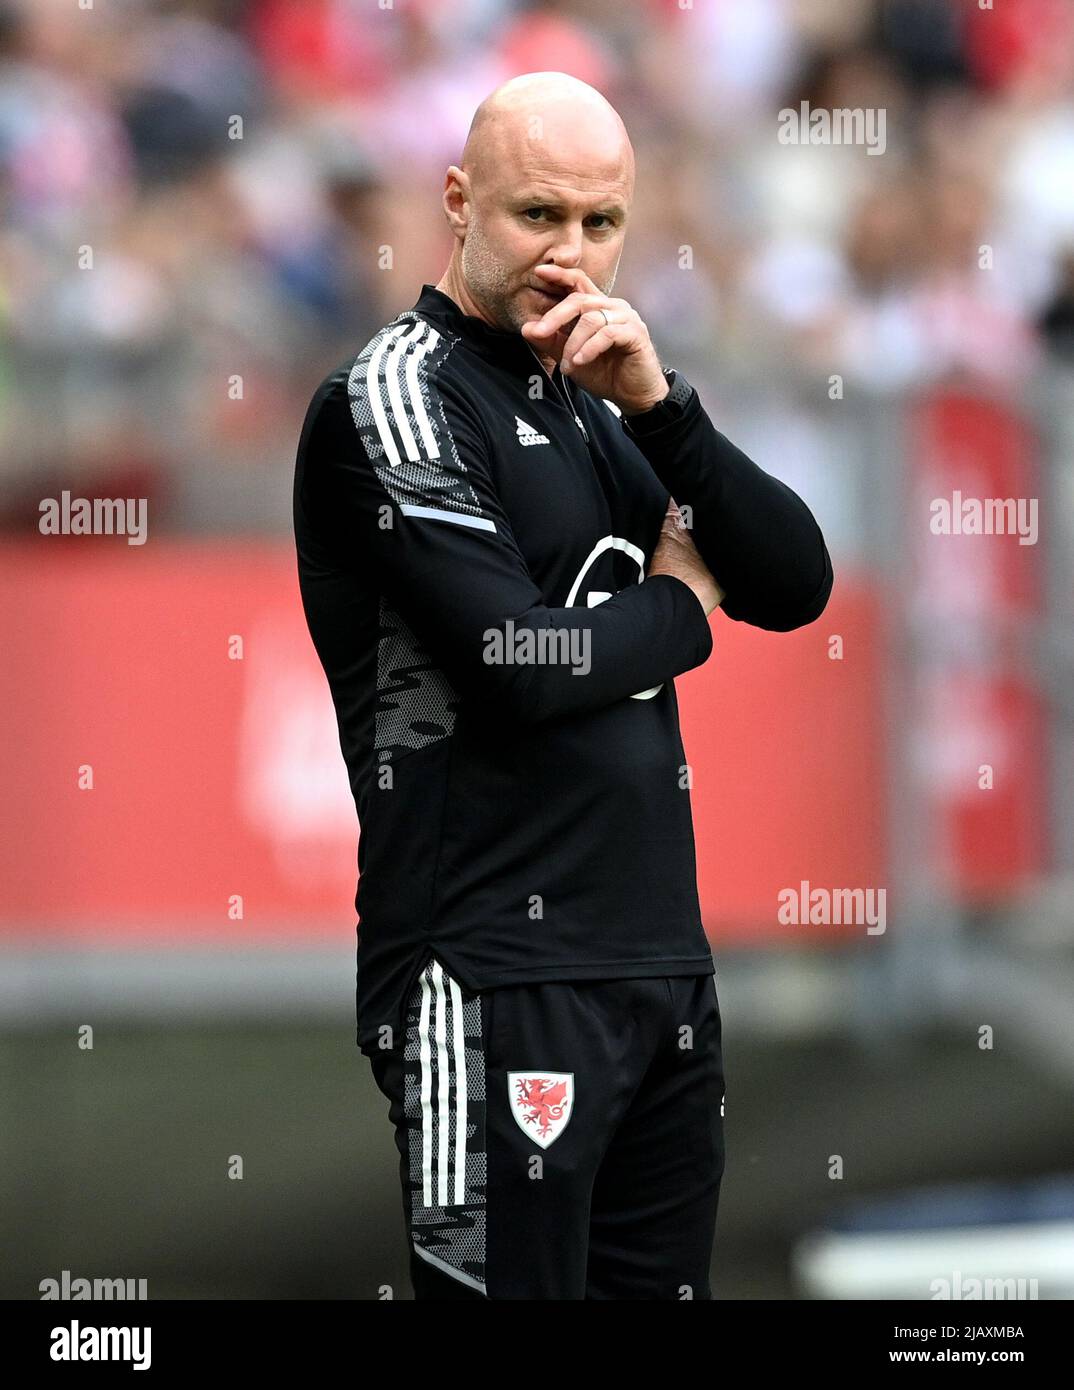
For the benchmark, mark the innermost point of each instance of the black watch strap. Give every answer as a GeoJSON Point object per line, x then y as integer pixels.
{"type": "Point", "coordinates": [667, 410]}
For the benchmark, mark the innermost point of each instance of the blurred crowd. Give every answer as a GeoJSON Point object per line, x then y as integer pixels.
{"type": "Point", "coordinates": [208, 206]}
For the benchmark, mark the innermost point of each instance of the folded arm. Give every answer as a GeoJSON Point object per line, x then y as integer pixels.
{"type": "Point", "coordinates": [406, 493]}
{"type": "Point", "coordinates": [757, 536]}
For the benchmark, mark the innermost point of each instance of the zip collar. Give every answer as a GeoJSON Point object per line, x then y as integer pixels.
{"type": "Point", "coordinates": [499, 345]}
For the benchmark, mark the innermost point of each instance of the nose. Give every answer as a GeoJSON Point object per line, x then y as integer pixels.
{"type": "Point", "coordinates": [567, 252]}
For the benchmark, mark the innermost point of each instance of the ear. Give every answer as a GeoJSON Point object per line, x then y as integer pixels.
{"type": "Point", "coordinates": [456, 200]}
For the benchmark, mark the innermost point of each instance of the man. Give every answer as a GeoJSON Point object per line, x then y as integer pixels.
{"type": "Point", "coordinates": [479, 495]}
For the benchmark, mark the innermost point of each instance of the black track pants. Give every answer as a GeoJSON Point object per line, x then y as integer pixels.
{"type": "Point", "coordinates": [559, 1141]}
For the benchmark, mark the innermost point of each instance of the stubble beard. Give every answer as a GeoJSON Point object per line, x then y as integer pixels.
{"type": "Point", "coordinates": [489, 282]}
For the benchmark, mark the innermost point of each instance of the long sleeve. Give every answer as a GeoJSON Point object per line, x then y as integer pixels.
{"type": "Point", "coordinates": [757, 536]}
{"type": "Point", "coordinates": [397, 481]}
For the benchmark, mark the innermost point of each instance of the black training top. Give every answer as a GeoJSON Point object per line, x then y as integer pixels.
{"type": "Point", "coordinates": [472, 539]}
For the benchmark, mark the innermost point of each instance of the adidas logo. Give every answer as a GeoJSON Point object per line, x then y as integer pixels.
{"type": "Point", "coordinates": [527, 434]}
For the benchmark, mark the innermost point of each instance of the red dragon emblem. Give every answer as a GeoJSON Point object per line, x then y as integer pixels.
{"type": "Point", "coordinates": [545, 1102]}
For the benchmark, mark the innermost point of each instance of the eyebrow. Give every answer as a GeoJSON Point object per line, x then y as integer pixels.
{"type": "Point", "coordinates": [552, 201]}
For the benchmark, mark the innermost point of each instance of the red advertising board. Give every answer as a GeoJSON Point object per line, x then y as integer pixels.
{"type": "Point", "coordinates": [216, 774]}
{"type": "Point", "coordinates": [975, 543]}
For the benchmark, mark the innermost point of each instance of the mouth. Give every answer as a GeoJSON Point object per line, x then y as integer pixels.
{"type": "Point", "coordinates": [549, 296]}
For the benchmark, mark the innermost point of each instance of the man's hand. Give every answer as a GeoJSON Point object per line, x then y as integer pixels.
{"type": "Point", "coordinates": [600, 342]}
{"type": "Point", "coordinates": [676, 554]}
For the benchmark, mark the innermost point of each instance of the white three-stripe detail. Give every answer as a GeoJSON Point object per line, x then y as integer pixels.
{"type": "Point", "coordinates": [395, 348]}
{"type": "Point", "coordinates": [398, 356]}
{"type": "Point", "coordinates": [402, 345]}
{"type": "Point", "coordinates": [437, 1158]}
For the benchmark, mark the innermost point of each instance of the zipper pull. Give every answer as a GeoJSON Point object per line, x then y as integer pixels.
{"type": "Point", "coordinates": [570, 403]}
{"type": "Point", "coordinates": [563, 391]}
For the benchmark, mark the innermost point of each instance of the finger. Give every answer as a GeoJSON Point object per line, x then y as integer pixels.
{"type": "Point", "coordinates": [585, 327]}
{"type": "Point", "coordinates": [566, 311]}
{"type": "Point", "coordinates": [574, 276]}
{"type": "Point", "coordinates": [611, 335]}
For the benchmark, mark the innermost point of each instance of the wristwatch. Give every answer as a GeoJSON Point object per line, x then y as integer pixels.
{"type": "Point", "coordinates": [669, 409]}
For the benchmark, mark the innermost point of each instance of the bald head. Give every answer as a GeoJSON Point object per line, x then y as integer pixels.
{"type": "Point", "coordinates": [546, 178]}
{"type": "Point", "coordinates": [548, 117]}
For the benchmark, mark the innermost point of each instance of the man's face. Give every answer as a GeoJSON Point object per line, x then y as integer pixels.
{"type": "Point", "coordinates": [541, 218]}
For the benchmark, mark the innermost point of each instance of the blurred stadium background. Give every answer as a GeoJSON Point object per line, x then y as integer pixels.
{"type": "Point", "coordinates": [878, 329]}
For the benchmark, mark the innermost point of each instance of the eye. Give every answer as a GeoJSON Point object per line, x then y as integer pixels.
{"type": "Point", "coordinates": [538, 211]}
